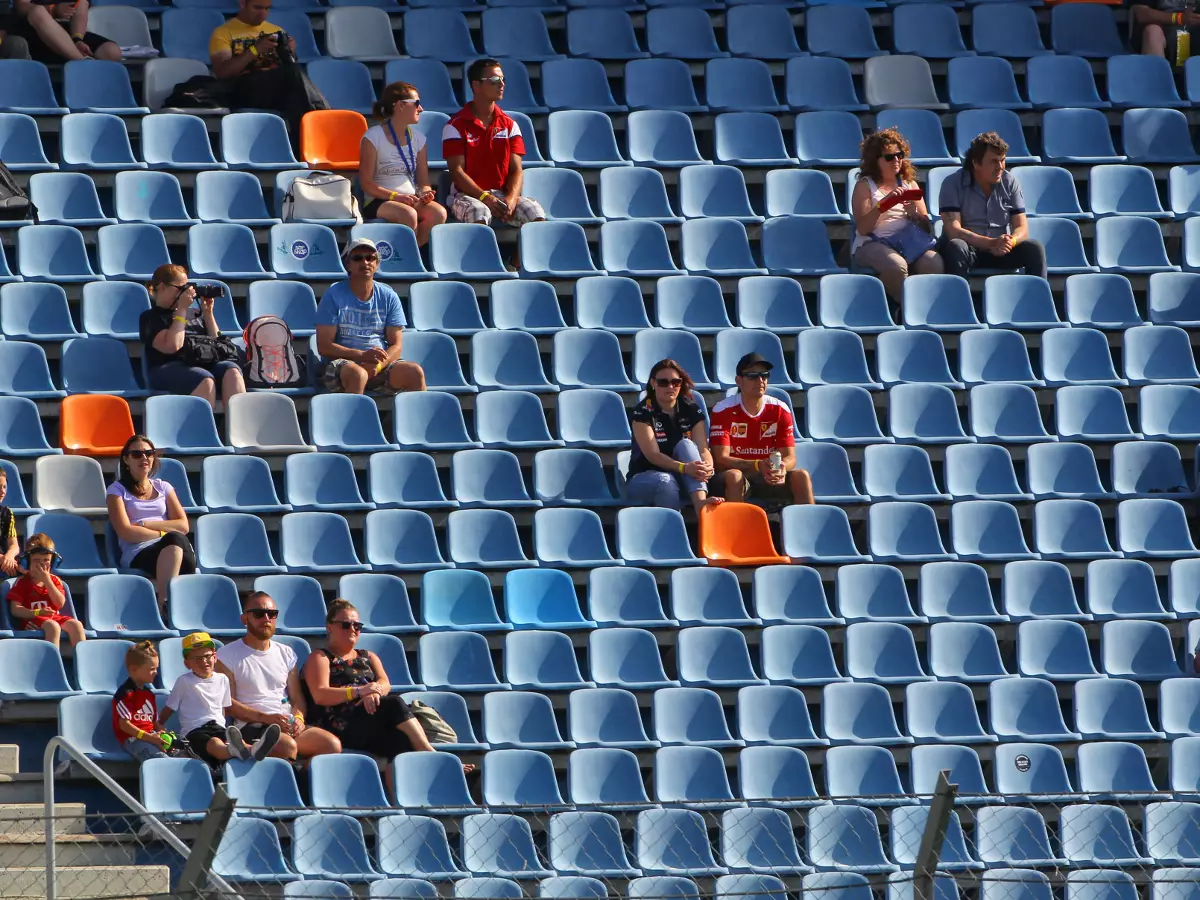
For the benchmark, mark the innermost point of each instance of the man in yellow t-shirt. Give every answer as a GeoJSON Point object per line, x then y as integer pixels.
{"type": "Point", "coordinates": [246, 51]}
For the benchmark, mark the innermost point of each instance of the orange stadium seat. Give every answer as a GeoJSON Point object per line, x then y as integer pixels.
{"type": "Point", "coordinates": [330, 138]}
{"type": "Point", "coordinates": [95, 424]}
{"type": "Point", "coordinates": [737, 534]}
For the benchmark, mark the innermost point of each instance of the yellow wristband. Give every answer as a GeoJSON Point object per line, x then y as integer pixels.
{"type": "Point", "coordinates": [179, 319]}
{"type": "Point", "coordinates": [141, 735]}
{"type": "Point", "coordinates": [77, 38]}
{"type": "Point", "coordinates": [485, 195]}
{"type": "Point", "coordinates": [681, 467]}
{"type": "Point", "coordinates": [349, 692]}
{"type": "Point", "coordinates": [392, 195]}
{"type": "Point", "coordinates": [162, 534]}
{"type": "Point", "coordinates": [253, 50]}
{"type": "Point", "coordinates": [757, 465]}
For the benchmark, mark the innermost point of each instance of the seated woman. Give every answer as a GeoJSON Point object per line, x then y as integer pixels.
{"type": "Point", "coordinates": [349, 693]}
{"type": "Point", "coordinates": [148, 518]}
{"type": "Point", "coordinates": [892, 231]}
{"type": "Point", "coordinates": [180, 358]}
{"type": "Point", "coordinates": [670, 443]}
{"type": "Point", "coordinates": [394, 166]}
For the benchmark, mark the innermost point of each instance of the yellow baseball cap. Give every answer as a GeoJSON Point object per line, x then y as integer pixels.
{"type": "Point", "coordinates": [198, 639]}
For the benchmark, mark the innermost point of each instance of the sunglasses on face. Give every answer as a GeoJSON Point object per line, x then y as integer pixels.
{"type": "Point", "coordinates": [757, 375]}
{"type": "Point", "coordinates": [260, 613]}
{"type": "Point", "coordinates": [142, 454]}
{"type": "Point", "coordinates": [493, 79]}
{"type": "Point", "coordinates": [415, 101]}
{"type": "Point", "coordinates": [669, 382]}
{"type": "Point", "coordinates": [363, 257]}
{"type": "Point", "coordinates": [892, 157]}
{"type": "Point", "coordinates": [356, 627]}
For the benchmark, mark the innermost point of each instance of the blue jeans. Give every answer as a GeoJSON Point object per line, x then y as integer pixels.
{"type": "Point", "coordinates": [658, 488]}
{"type": "Point", "coordinates": [141, 751]}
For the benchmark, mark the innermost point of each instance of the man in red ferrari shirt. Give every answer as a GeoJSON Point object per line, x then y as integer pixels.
{"type": "Point", "coordinates": [483, 147]}
{"type": "Point", "coordinates": [745, 430]}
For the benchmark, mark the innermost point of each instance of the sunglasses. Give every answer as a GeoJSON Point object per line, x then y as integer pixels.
{"type": "Point", "coordinates": [356, 627]}
{"type": "Point", "coordinates": [493, 79]}
{"type": "Point", "coordinates": [415, 101]}
{"type": "Point", "coordinates": [669, 382]}
{"type": "Point", "coordinates": [892, 157]}
{"type": "Point", "coordinates": [142, 454]}
{"type": "Point", "coordinates": [758, 375]}
{"type": "Point", "coordinates": [260, 613]}
{"type": "Point", "coordinates": [363, 257]}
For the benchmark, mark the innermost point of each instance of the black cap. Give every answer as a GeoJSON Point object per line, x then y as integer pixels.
{"type": "Point", "coordinates": [753, 359]}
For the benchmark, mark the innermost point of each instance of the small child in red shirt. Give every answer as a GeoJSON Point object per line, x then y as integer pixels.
{"type": "Point", "coordinates": [36, 599]}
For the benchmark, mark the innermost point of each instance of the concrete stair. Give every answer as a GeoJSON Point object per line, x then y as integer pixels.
{"type": "Point", "coordinates": [89, 865]}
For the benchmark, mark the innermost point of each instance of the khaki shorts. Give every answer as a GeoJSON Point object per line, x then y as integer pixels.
{"type": "Point", "coordinates": [468, 209]}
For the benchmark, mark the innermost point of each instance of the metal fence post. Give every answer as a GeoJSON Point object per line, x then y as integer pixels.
{"type": "Point", "coordinates": [204, 848]}
{"type": "Point", "coordinates": [930, 851]}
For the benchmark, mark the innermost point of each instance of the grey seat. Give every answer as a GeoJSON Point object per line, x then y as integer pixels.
{"type": "Point", "coordinates": [72, 484]}
{"type": "Point", "coordinates": [360, 32]}
{"type": "Point", "coordinates": [900, 82]}
{"type": "Point", "coordinates": [160, 76]}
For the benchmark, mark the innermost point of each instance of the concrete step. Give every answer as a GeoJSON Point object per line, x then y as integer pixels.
{"type": "Point", "coordinates": [9, 759]}
{"type": "Point", "coordinates": [29, 850]}
{"type": "Point", "coordinates": [29, 818]}
{"type": "Point", "coordinates": [87, 882]}
{"type": "Point", "coordinates": [21, 789]}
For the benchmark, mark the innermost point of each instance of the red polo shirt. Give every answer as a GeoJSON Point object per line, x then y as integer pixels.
{"type": "Point", "coordinates": [487, 150]}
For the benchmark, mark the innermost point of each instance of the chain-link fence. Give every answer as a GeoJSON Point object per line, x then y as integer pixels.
{"type": "Point", "coordinates": [1015, 847]}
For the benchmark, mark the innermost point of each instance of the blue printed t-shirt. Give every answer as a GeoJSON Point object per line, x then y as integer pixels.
{"type": "Point", "coordinates": [361, 324]}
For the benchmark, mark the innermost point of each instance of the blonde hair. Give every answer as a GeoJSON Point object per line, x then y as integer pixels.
{"type": "Point", "coordinates": [139, 654]}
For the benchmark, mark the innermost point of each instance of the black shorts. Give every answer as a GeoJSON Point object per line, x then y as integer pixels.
{"type": "Point", "coordinates": [198, 739]}
{"type": "Point", "coordinates": [377, 734]}
{"type": "Point", "coordinates": [41, 53]}
{"type": "Point", "coordinates": [146, 560]}
{"type": "Point", "coordinates": [756, 487]}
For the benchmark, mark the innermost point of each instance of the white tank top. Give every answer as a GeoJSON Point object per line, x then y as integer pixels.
{"type": "Point", "coordinates": [392, 163]}
{"type": "Point", "coordinates": [890, 220]}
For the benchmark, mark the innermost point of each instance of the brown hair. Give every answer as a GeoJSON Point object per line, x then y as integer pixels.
{"type": "Point", "coordinates": [872, 148]}
{"type": "Point", "coordinates": [392, 94]}
{"type": "Point", "coordinates": [989, 140]}
{"type": "Point", "coordinates": [685, 389]}
{"type": "Point", "coordinates": [139, 654]}
{"type": "Point", "coordinates": [337, 606]}
{"type": "Point", "coordinates": [163, 275]}
{"type": "Point", "coordinates": [39, 544]}
{"type": "Point", "coordinates": [255, 596]}
{"type": "Point", "coordinates": [124, 478]}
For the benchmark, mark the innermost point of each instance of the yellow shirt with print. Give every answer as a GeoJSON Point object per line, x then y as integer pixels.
{"type": "Point", "coordinates": [237, 37]}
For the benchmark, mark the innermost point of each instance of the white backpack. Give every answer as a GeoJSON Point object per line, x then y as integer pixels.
{"type": "Point", "coordinates": [320, 195]}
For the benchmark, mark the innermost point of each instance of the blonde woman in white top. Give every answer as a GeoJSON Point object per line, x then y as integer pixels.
{"type": "Point", "coordinates": [394, 167]}
{"type": "Point", "coordinates": [882, 213]}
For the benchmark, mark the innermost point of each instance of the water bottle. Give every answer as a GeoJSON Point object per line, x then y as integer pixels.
{"type": "Point", "coordinates": [775, 462]}
{"type": "Point", "coordinates": [1183, 41]}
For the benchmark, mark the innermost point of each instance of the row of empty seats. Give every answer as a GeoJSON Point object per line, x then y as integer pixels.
{"type": "Point", "coordinates": [765, 31]}
{"type": "Point", "coordinates": [586, 139]}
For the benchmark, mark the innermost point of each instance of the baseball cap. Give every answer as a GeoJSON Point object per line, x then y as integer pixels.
{"type": "Point", "coordinates": [753, 359]}
{"type": "Point", "coordinates": [358, 244]}
{"type": "Point", "coordinates": [198, 639]}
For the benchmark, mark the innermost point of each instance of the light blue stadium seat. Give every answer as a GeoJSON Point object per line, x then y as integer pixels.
{"type": "Point", "coordinates": [521, 719]}
{"type": "Point", "coordinates": [1131, 244]}
{"type": "Point", "coordinates": [73, 537]}
{"type": "Point", "coordinates": [605, 717]}
{"type": "Point", "coordinates": [627, 658]}
{"type": "Point", "coordinates": [577, 84]}
{"type": "Point", "coordinates": [96, 141]}
{"type": "Point", "coordinates": [460, 600]}
{"type": "Point", "coordinates": [625, 597]}
{"type": "Point", "coordinates": [21, 143]}
{"type": "Point", "coordinates": [749, 139]}
{"type": "Point", "coordinates": [27, 89]}
{"type": "Point", "coordinates": [24, 370]}
{"type": "Point", "coordinates": [331, 845]}
{"type": "Point", "coordinates": [930, 31]}
{"type": "Point", "coordinates": [635, 193]}
{"type": "Point", "coordinates": [1077, 355]}
{"type": "Point", "coordinates": [1066, 470]}
{"type": "Point", "coordinates": [487, 889]}
{"type": "Point", "coordinates": [708, 597]}
{"type": "Point", "coordinates": [485, 538]}
{"type": "Point", "coordinates": [399, 257]}
{"type": "Point", "coordinates": [67, 198]}
{"type": "Point", "coordinates": [856, 302]}
{"type": "Point", "coordinates": [1054, 649]}
{"type": "Point", "coordinates": [775, 715]}
{"type": "Point", "coordinates": [903, 531]}
{"type": "Point", "coordinates": [944, 713]}
{"type": "Point", "coordinates": [773, 303]}
{"type": "Point", "coordinates": [334, 890]}
{"type": "Point", "coordinates": [251, 140]}
{"type": "Point", "coordinates": [305, 250]}
{"type": "Point", "coordinates": [924, 133]}
{"type": "Point", "coordinates": [348, 423]}
{"type": "Point", "coordinates": [224, 250]}
{"type": "Point", "coordinates": [907, 356]}
{"type": "Point", "coordinates": [673, 887]}
{"type": "Point", "coordinates": [430, 420]}
{"type": "Point", "coordinates": [1147, 469]}
{"type": "Point", "coordinates": [100, 665]}
{"type": "Point", "coordinates": [956, 591]}
{"type": "Point", "coordinates": [859, 713]}
{"type": "Point", "coordinates": [1064, 245]}
{"type": "Point", "coordinates": [602, 33]}
{"type": "Point", "coordinates": [589, 358]}
{"type": "Point", "coordinates": [54, 253]}
{"type": "Point", "coordinates": [758, 841]}
{"type": "Point", "coordinates": [1124, 190]}
{"type": "Point", "coordinates": [406, 479]}
{"type": "Point", "coordinates": [1005, 122]}
{"type": "Point", "coordinates": [177, 141]}
{"type": "Point", "coordinates": [819, 534]}
{"type": "Point", "coordinates": [348, 783]}
{"type": "Point", "coordinates": [346, 83]}
{"type": "Point", "coordinates": [714, 656]}
{"type": "Point", "coordinates": [500, 845]}
{"type": "Point", "coordinates": [717, 247]}
{"type": "Point", "coordinates": [1040, 589]}
{"type": "Point", "coordinates": [382, 602]}
{"type": "Point", "coordinates": [761, 32]}
{"type": "Point", "coordinates": [1154, 527]}
{"type": "Point", "coordinates": [206, 602]}
{"type": "Point", "coordinates": [583, 139]}
{"type": "Point", "coordinates": [1159, 354]}
{"type": "Point", "coordinates": [924, 413]}
{"type": "Point", "coordinates": [239, 484]}
{"type": "Point", "coordinates": [1077, 136]}
{"type": "Point", "coordinates": [517, 33]}
{"type": "Point", "coordinates": [1101, 301]}
{"type": "Point", "coordinates": [86, 721]}
{"type": "Point", "coordinates": [842, 31]}
{"type": "Point", "coordinates": [233, 543]}
{"type": "Point", "coordinates": [1139, 650]}
{"type": "Point", "coordinates": [151, 197]}
{"type": "Point", "coordinates": [488, 478]}
{"type": "Point", "coordinates": [962, 762]}
{"type": "Point", "coordinates": [562, 194]}
{"type": "Point", "coordinates": [1157, 136]}
{"type": "Point", "coordinates": [798, 655]}
{"type": "Point", "coordinates": [832, 357]}
{"type": "Point", "coordinates": [829, 467]}
{"type": "Point", "coordinates": [1091, 413]}
{"type": "Point", "coordinates": [318, 542]}
{"type": "Point", "coordinates": [682, 32]}
{"type": "Point", "coordinates": [1014, 836]}
{"type": "Point", "coordinates": [938, 302]}
{"type": "Point", "coordinates": [587, 843]}
{"type": "Point", "coordinates": [652, 344]}
{"type": "Point", "coordinates": [437, 355]}
{"type": "Point", "coordinates": [457, 661]}
{"type": "Point", "coordinates": [445, 306]}
{"type": "Point", "coordinates": [776, 777]}
{"type": "Point", "coordinates": [519, 778]}
{"type": "Point", "coordinates": [403, 539]}
{"type": "Point", "coordinates": [413, 845]}
{"type": "Point", "coordinates": [674, 842]}
{"type": "Point", "coordinates": [122, 606]}
{"type": "Point", "coordinates": [439, 33]}
{"type": "Point", "coordinates": [430, 782]}
{"type": "Point", "coordinates": [1164, 409]}
{"type": "Point", "coordinates": [691, 776]}
{"type": "Point", "coordinates": [1050, 191]}
{"type": "Point", "coordinates": [572, 538]}
{"type": "Point", "coordinates": [1006, 413]}
{"type": "Point", "coordinates": [995, 355]}
{"type": "Point", "coordinates": [690, 716]}
{"type": "Point", "coordinates": [508, 360]}
{"type": "Point", "coordinates": [965, 651]}
{"type": "Point", "coordinates": [882, 652]}
{"type": "Point", "coordinates": [1040, 778]}
{"type": "Point", "coordinates": [801, 192]}
{"type": "Point", "coordinates": [1170, 833]}
{"type": "Point", "coordinates": [1020, 302]}
{"type": "Point", "coordinates": [1183, 182]}
{"type": "Point", "coordinates": [844, 839]}
{"type": "Point", "coordinates": [1115, 770]}
{"type": "Point", "coordinates": [1009, 30]}
{"type": "Point", "coordinates": [131, 251]}
{"type": "Point", "coordinates": [1090, 33]}
{"type": "Point", "coordinates": [463, 250]}
{"type": "Point", "coordinates": [36, 312]}
{"type": "Point", "coordinates": [1112, 708]}
{"type": "Point", "coordinates": [178, 790]}
{"type": "Point", "coordinates": [873, 593]}
{"type": "Point", "coordinates": [908, 826]}
{"type": "Point", "coordinates": [233, 197]}
{"type": "Point", "coordinates": [266, 789]}
{"type": "Point", "coordinates": [555, 250]}
{"type": "Point", "coordinates": [820, 83]}
{"type": "Point", "coordinates": [827, 137]}
{"type": "Point", "coordinates": [715, 191]}
{"type": "Point", "coordinates": [607, 776]}
{"type": "Point", "coordinates": [740, 85]}
{"type": "Point", "coordinates": [797, 245]}
{"type": "Point", "coordinates": [593, 418]}
{"type": "Point", "coordinates": [982, 82]}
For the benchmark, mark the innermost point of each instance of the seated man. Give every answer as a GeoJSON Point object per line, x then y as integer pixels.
{"type": "Point", "coordinates": [483, 148]}
{"type": "Point", "coordinates": [1158, 25]}
{"type": "Point", "coordinates": [265, 683]}
{"type": "Point", "coordinates": [256, 71]}
{"type": "Point", "coordinates": [752, 436]}
{"type": "Point", "coordinates": [360, 326]}
{"type": "Point", "coordinates": [55, 32]}
{"type": "Point", "coordinates": [983, 215]}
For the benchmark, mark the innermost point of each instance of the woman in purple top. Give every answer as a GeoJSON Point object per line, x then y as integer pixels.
{"type": "Point", "coordinates": [150, 523]}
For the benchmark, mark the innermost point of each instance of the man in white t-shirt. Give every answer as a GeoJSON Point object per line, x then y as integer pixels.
{"type": "Point", "coordinates": [265, 682]}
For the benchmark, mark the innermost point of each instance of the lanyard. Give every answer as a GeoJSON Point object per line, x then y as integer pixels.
{"type": "Point", "coordinates": [410, 161]}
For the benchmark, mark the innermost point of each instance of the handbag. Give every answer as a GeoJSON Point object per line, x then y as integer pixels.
{"type": "Point", "coordinates": [436, 728]}
{"type": "Point", "coordinates": [911, 242]}
{"type": "Point", "coordinates": [320, 195]}
{"type": "Point", "coordinates": [205, 351]}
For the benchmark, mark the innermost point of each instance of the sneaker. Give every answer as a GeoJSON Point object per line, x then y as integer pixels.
{"type": "Point", "coordinates": [237, 746]}
{"type": "Point", "coordinates": [260, 748]}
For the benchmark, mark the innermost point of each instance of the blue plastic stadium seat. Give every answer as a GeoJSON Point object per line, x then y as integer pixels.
{"type": "Point", "coordinates": [843, 31]}
{"type": "Point", "coordinates": [226, 251]}
{"type": "Point", "coordinates": [403, 539]}
{"type": "Point", "coordinates": [625, 598]}
{"type": "Point", "coordinates": [923, 131]}
{"type": "Point", "coordinates": [205, 602]}
{"type": "Point", "coordinates": [131, 251]}
{"type": "Point", "coordinates": [1040, 778]}
{"type": "Point", "coordinates": [965, 651]}
{"type": "Point", "coordinates": [1112, 709]}
{"type": "Point", "coordinates": [1064, 245]}
{"type": "Point", "coordinates": [1006, 413]}
{"type": "Point", "coordinates": [681, 32]}
{"type": "Point", "coordinates": [67, 198]}
{"type": "Point", "coordinates": [508, 360]}
{"type": "Point", "coordinates": [96, 141]}
{"type": "Point", "coordinates": [663, 138]}
{"type": "Point", "coordinates": [956, 591]}
{"type": "Point", "coordinates": [674, 842]}
{"type": "Point", "coordinates": [520, 778]}
{"type": "Point", "coordinates": [1139, 650]}
{"type": "Point", "coordinates": [750, 139]}
{"type": "Point", "coordinates": [519, 719]}
{"type": "Point", "coordinates": [873, 593]}
{"type": "Point", "coordinates": [1066, 470]}
{"type": "Point", "coordinates": [829, 467]}
{"type": "Point", "coordinates": [827, 138]}
{"type": "Point", "coordinates": [1054, 649]}
{"type": "Point", "coordinates": [1091, 413]}
{"type": "Point", "coordinates": [775, 715]}
{"type": "Point", "coordinates": [233, 543]}
{"type": "Point", "coordinates": [562, 194]}
{"type": "Point", "coordinates": [588, 844]}
{"type": "Point", "coordinates": [572, 538]}
{"type": "Point", "coordinates": [1039, 589]}
{"type": "Point", "coordinates": [1077, 136]}
{"type": "Point", "coordinates": [938, 302]}
{"type": "Point", "coordinates": [819, 533]}
{"type": "Point", "coordinates": [882, 652]}
{"type": "Point", "coordinates": [776, 777]}
{"type": "Point", "coordinates": [583, 139]}
{"type": "Point", "coordinates": [73, 537]}
{"type": "Point", "coordinates": [555, 250]}
{"type": "Point", "coordinates": [1014, 836]}
{"type": "Point", "coordinates": [942, 712]}
{"type": "Point", "coordinates": [27, 89]}
{"type": "Point", "coordinates": [256, 141]}
{"type": "Point", "coordinates": [634, 193]}
{"type": "Point", "coordinates": [413, 845]}
{"type": "Point", "coordinates": [487, 888]}
{"type": "Point", "coordinates": [845, 839]}
{"type": "Point", "coordinates": [980, 82]}
{"type": "Point", "coordinates": [54, 253]}
{"type": "Point", "coordinates": [331, 845]}
{"type": "Point", "coordinates": [234, 197]}
{"type": "Point", "coordinates": [463, 250]}
{"type": "Point", "coordinates": [1131, 244]}
{"type": "Point", "coordinates": [499, 845]}
{"type": "Point", "coordinates": [859, 713]}
{"type": "Point", "coordinates": [969, 123]}
{"type": "Point", "coordinates": [903, 531]}
{"type": "Point", "coordinates": [1070, 529]}
{"type": "Point", "coordinates": [714, 656]}
{"type": "Point", "coordinates": [430, 782]}
{"type": "Point", "coordinates": [1050, 191]}
{"type": "Point", "coordinates": [607, 776]}
{"type": "Point", "coordinates": [930, 31]}
{"type": "Point", "coordinates": [1089, 32]}
{"type": "Point", "coordinates": [820, 83]}
{"type": "Point", "coordinates": [1157, 136]}
{"type": "Point", "coordinates": [1147, 469]}
{"type": "Point", "coordinates": [798, 655]}
{"type": "Point", "coordinates": [691, 776]}
{"type": "Point", "coordinates": [602, 33]}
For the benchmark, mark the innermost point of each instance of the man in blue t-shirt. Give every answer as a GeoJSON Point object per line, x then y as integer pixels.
{"type": "Point", "coordinates": [359, 328]}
